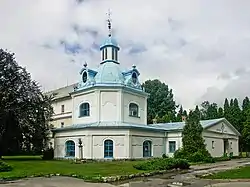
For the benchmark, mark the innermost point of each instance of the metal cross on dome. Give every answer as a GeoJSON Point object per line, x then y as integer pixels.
{"type": "Point", "coordinates": [109, 22]}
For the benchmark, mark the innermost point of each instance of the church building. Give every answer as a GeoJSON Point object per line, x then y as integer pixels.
{"type": "Point", "coordinates": [104, 116]}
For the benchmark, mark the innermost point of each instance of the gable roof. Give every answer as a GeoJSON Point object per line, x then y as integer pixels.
{"type": "Point", "coordinates": [206, 124]}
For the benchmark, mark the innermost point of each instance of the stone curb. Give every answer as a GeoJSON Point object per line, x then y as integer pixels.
{"type": "Point", "coordinates": [96, 178]}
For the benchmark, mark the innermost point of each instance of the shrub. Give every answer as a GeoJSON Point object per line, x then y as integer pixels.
{"type": "Point", "coordinates": [48, 154]}
{"type": "Point", "coordinates": [180, 153]}
{"type": "Point", "coordinates": [201, 156]}
{"type": "Point", "coordinates": [162, 164]}
{"type": "Point", "coordinates": [223, 158]}
{"type": "Point", "coordinates": [4, 166]}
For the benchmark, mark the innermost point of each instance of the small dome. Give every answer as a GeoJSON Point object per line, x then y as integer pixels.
{"type": "Point", "coordinates": [110, 41]}
{"type": "Point", "coordinates": [109, 73]}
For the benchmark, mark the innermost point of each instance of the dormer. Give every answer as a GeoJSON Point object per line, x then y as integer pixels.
{"type": "Point", "coordinates": [132, 78]}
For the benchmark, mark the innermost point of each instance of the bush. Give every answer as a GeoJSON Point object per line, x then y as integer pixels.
{"type": "Point", "coordinates": [180, 153]}
{"type": "Point", "coordinates": [223, 158]}
{"type": "Point", "coordinates": [162, 164]}
{"type": "Point", "coordinates": [48, 154]}
{"type": "Point", "coordinates": [201, 156]}
{"type": "Point", "coordinates": [4, 166]}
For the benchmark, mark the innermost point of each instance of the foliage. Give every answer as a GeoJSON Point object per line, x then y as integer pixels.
{"type": "Point", "coordinates": [4, 167]}
{"type": "Point", "coordinates": [194, 148]}
{"type": "Point", "coordinates": [161, 102]}
{"type": "Point", "coordinates": [209, 110]}
{"type": "Point", "coordinates": [192, 134]}
{"type": "Point", "coordinates": [162, 164]}
{"type": "Point", "coordinates": [24, 111]}
{"type": "Point", "coordinates": [199, 156]}
{"type": "Point", "coordinates": [246, 131]}
{"type": "Point", "coordinates": [223, 158]}
{"type": "Point", "coordinates": [48, 154]}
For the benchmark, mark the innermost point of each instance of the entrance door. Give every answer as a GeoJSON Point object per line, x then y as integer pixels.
{"type": "Point", "coordinates": [225, 144]}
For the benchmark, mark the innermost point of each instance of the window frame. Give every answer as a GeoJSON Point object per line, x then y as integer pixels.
{"type": "Point", "coordinates": [147, 153]}
{"type": "Point", "coordinates": [106, 54]}
{"type": "Point", "coordinates": [131, 109]}
{"type": "Point", "coordinates": [213, 144]}
{"type": "Point", "coordinates": [108, 148]}
{"type": "Point", "coordinates": [170, 146]}
{"type": "Point", "coordinates": [62, 124]}
{"type": "Point", "coordinates": [62, 109]}
{"type": "Point", "coordinates": [70, 147]}
{"type": "Point", "coordinates": [82, 110]}
{"type": "Point", "coordinates": [103, 58]}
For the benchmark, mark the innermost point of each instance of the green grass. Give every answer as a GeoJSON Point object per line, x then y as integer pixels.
{"type": "Point", "coordinates": [26, 166]}
{"type": "Point", "coordinates": [240, 173]}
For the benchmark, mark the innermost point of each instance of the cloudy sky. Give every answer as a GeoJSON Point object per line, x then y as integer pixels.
{"type": "Point", "coordinates": [200, 48]}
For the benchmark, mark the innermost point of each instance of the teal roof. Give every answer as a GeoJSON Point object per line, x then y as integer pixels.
{"type": "Point", "coordinates": [109, 73]}
{"type": "Point", "coordinates": [110, 41]}
{"type": "Point", "coordinates": [180, 125]}
{"type": "Point", "coordinates": [177, 126]}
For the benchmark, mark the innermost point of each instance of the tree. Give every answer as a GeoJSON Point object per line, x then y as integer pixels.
{"type": "Point", "coordinates": [192, 134]}
{"type": "Point", "coordinates": [209, 111]}
{"type": "Point", "coordinates": [197, 111]}
{"type": "Point", "coordinates": [227, 112]}
{"type": "Point", "coordinates": [194, 148]}
{"type": "Point", "coordinates": [161, 100]}
{"type": "Point", "coordinates": [220, 112]}
{"type": "Point", "coordinates": [246, 131]}
{"type": "Point", "coordinates": [180, 114]}
{"type": "Point", "coordinates": [24, 111]}
{"type": "Point", "coordinates": [245, 107]}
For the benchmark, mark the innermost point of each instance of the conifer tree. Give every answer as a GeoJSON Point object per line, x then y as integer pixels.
{"type": "Point", "coordinates": [192, 135]}
{"type": "Point", "coordinates": [246, 132]}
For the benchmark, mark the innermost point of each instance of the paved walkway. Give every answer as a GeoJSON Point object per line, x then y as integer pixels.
{"type": "Point", "coordinates": [168, 180]}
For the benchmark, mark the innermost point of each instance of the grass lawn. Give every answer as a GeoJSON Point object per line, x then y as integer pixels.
{"type": "Point", "coordinates": [240, 173]}
{"type": "Point", "coordinates": [33, 166]}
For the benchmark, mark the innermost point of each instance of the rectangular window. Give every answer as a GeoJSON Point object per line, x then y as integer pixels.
{"type": "Point", "coordinates": [116, 55]}
{"type": "Point", "coordinates": [113, 54]}
{"type": "Point", "coordinates": [106, 53]}
{"type": "Point", "coordinates": [102, 54]}
{"type": "Point", "coordinates": [62, 124]}
{"type": "Point", "coordinates": [212, 144]}
{"type": "Point", "coordinates": [172, 146]}
{"type": "Point", "coordinates": [62, 108]}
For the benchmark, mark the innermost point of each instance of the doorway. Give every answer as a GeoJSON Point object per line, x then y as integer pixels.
{"type": "Point", "coordinates": [225, 145]}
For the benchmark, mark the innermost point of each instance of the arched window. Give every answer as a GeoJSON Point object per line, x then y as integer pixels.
{"type": "Point", "coordinates": [70, 148]}
{"type": "Point", "coordinates": [108, 149]}
{"type": "Point", "coordinates": [147, 148]}
{"type": "Point", "coordinates": [134, 78]}
{"type": "Point", "coordinates": [133, 110]}
{"type": "Point", "coordinates": [84, 109]}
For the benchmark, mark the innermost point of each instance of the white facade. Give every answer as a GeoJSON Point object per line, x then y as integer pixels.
{"type": "Point", "coordinates": [105, 116]}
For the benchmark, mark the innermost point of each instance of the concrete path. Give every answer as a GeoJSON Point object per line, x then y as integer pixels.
{"type": "Point", "coordinates": [53, 182]}
{"type": "Point", "coordinates": [168, 180]}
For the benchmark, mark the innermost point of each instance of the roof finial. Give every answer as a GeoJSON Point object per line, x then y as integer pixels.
{"type": "Point", "coordinates": [109, 22]}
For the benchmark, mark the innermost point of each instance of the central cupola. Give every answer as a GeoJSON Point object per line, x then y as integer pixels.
{"type": "Point", "coordinates": [109, 48]}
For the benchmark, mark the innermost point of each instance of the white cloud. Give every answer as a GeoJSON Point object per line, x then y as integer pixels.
{"type": "Point", "coordinates": [188, 44]}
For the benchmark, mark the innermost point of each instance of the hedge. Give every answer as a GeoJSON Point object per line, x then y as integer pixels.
{"type": "Point", "coordinates": [162, 164]}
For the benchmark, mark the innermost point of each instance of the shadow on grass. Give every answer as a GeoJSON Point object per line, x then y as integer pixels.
{"type": "Point", "coordinates": [23, 158]}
